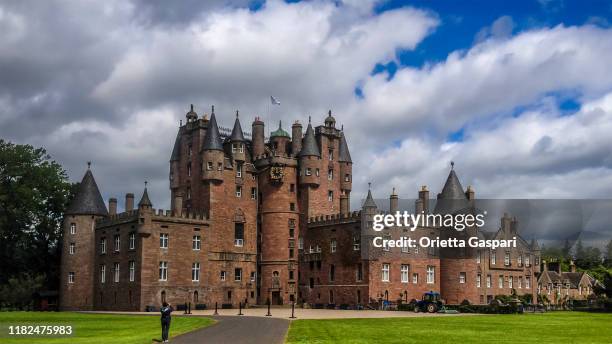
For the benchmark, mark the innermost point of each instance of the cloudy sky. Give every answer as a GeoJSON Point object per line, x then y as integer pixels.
{"type": "Point", "coordinates": [518, 95]}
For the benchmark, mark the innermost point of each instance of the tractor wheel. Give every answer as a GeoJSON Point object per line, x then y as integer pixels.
{"type": "Point", "coordinates": [416, 308]}
{"type": "Point", "coordinates": [432, 308]}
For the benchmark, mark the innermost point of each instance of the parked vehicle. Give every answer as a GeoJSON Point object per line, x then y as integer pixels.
{"type": "Point", "coordinates": [430, 302]}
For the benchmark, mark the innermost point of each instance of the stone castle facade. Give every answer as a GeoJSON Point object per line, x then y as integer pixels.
{"type": "Point", "coordinates": [256, 219]}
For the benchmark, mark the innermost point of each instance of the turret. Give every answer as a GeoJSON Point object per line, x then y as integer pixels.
{"type": "Point", "coordinates": [191, 116]}
{"type": "Point", "coordinates": [310, 157]}
{"type": "Point", "coordinates": [346, 165]}
{"type": "Point", "coordinates": [330, 121]}
{"type": "Point", "coordinates": [258, 137]}
{"type": "Point", "coordinates": [237, 141]}
{"type": "Point", "coordinates": [296, 138]}
{"type": "Point", "coordinates": [145, 212]}
{"type": "Point", "coordinates": [279, 140]}
{"type": "Point", "coordinates": [79, 247]}
{"type": "Point", "coordinates": [212, 151]}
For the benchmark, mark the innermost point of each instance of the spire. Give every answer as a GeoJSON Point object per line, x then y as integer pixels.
{"type": "Point", "coordinates": [191, 115]}
{"type": "Point", "coordinates": [343, 151]}
{"type": "Point", "coordinates": [212, 140]}
{"type": "Point", "coordinates": [88, 200]}
{"type": "Point", "coordinates": [369, 202]}
{"type": "Point", "coordinates": [237, 135]}
{"type": "Point", "coordinates": [145, 201]}
{"type": "Point", "coordinates": [279, 131]}
{"type": "Point", "coordinates": [452, 188]}
{"type": "Point", "coordinates": [176, 151]}
{"type": "Point", "coordinates": [309, 143]}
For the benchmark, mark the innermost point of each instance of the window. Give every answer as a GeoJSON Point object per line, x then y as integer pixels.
{"type": "Point", "coordinates": [462, 277]}
{"type": "Point", "coordinates": [188, 193]}
{"type": "Point", "coordinates": [527, 282]}
{"type": "Point", "coordinates": [347, 177]}
{"type": "Point", "coordinates": [330, 174]}
{"type": "Point", "coordinates": [196, 243]}
{"type": "Point", "coordinates": [195, 272]}
{"type": "Point", "coordinates": [488, 281]}
{"type": "Point", "coordinates": [478, 257]}
{"type": "Point", "coordinates": [291, 232]}
{"type": "Point", "coordinates": [431, 275]}
{"type": "Point", "coordinates": [117, 242]}
{"type": "Point", "coordinates": [300, 243]}
{"type": "Point", "coordinates": [189, 170]}
{"type": "Point", "coordinates": [253, 275]}
{"type": "Point", "coordinates": [520, 282]}
{"type": "Point", "coordinates": [519, 260]}
{"type": "Point", "coordinates": [331, 154]}
{"type": "Point", "coordinates": [332, 245]}
{"type": "Point", "coordinates": [500, 281]}
{"type": "Point", "coordinates": [415, 278]}
{"type": "Point", "coordinates": [253, 193]}
{"type": "Point", "coordinates": [219, 166]}
{"type": "Point", "coordinates": [238, 191]}
{"type": "Point", "coordinates": [72, 248]}
{"type": "Point", "coordinates": [291, 274]}
{"type": "Point", "coordinates": [116, 272]}
{"type": "Point", "coordinates": [238, 234]}
{"type": "Point", "coordinates": [132, 241]}
{"type": "Point", "coordinates": [222, 276]}
{"type": "Point", "coordinates": [73, 228]}
{"type": "Point", "coordinates": [103, 245]}
{"type": "Point", "coordinates": [209, 165]}
{"type": "Point", "coordinates": [527, 261]}
{"type": "Point", "coordinates": [478, 277]}
{"type": "Point", "coordinates": [239, 170]}
{"type": "Point", "coordinates": [234, 147]}
{"type": "Point", "coordinates": [507, 259]}
{"type": "Point", "coordinates": [308, 171]}
{"type": "Point", "coordinates": [356, 243]}
{"type": "Point", "coordinates": [132, 265]}
{"type": "Point", "coordinates": [359, 276]}
{"type": "Point", "coordinates": [163, 240]}
{"type": "Point", "coordinates": [71, 277]}
{"type": "Point", "coordinates": [316, 172]}
{"type": "Point", "coordinates": [330, 195]}
{"type": "Point", "coordinates": [405, 273]}
{"type": "Point", "coordinates": [292, 206]}
{"type": "Point", "coordinates": [163, 271]}
{"type": "Point", "coordinates": [103, 274]}
{"type": "Point", "coordinates": [332, 272]}
{"type": "Point", "coordinates": [291, 187]}
{"type": "Point", "coordinates": [385, 272]}
{"type": "Point", "coordinates": [493, 257]}
{"type": "Point", "coordinates": [510, 282]}
{"type": "Point", "coordinates": [237, 274]}
{"type": "Point", "coordinates": [241, 148]}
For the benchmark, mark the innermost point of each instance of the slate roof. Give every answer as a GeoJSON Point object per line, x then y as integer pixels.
{"type": "Point", "coordinates": [237, 135]}
{"type": "Point", "coordinates": [369, 201]}
{"type": "Point", "coordinates": [212, 140]}
{"type": "Point", "coordinates": [309, 143]}
{"type": "Point", "coordinates": [176, 151]}
{"type": "Point", "coordinates": [88, 200]}
{"type": "Point", "coordinates": [452, 188]}
{"type": "Point", "coordinates": [144, 200]}
{"type": "Point", "coordinates": [344, 155]}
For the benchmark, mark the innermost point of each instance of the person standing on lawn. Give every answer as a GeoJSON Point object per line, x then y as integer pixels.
{"type": "Point", "coordinates": [166, 310]}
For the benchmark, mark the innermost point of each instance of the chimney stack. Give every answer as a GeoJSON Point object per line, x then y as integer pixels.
{"type": "Point", "coordinates": [544, 266]}
{"type": "Point", "coordinates": [393, 202]}
{"type": "Point", "coordinates": [178, 205]}
{"type": "Point", "coordinates": [296, 138]}
{"type": "Point", "coordinates": [470, 193]}
{"type": "Point", "coordinates": [258, 137]}
{"type": "Point", "coordinates": [129, 202]}
{"type": "Point", "coordinates": [572, 266]}
{"type": "Point", "coordinates": [112, 206]}
{"type": "Point", "coordinates": [424, 198]}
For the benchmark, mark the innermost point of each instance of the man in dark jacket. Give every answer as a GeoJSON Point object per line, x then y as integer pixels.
{"type": "Point", "coordinates": [166, 310]}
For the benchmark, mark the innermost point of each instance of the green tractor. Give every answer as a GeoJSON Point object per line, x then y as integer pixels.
{"type": "Point", "coordinates": [431, 303]}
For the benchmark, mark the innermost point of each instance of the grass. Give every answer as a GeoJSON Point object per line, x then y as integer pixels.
{"type": "Point", "coordinates": [98, 328]}
{"type": "Point", "coordinates": [554, 327]}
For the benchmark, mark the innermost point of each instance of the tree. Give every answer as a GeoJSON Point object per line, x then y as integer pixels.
{"type": "Point", "coordinates": [609, 254]}
{"type": "Point", "coordinates": [567, 248]}
{"type": "Point", "coordinates": [34, 192]}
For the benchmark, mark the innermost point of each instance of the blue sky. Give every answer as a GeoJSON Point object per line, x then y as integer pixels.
{"type": "Point", "coordinates": [517, 93]}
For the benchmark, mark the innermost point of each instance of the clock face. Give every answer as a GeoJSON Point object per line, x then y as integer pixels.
{"type": "Point", "coordinates": [276, 173]}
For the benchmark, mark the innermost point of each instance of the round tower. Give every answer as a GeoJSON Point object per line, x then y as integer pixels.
{"type": "Point", "coordinates": [258, 138]}
{"type": "Point", "coordinates": [310, 159]}
{"type": "Point", "coordinates": [212, 152]}
{"type": "Point", "coordinates": [279, 140]}
{"type": "Point", "coordinates": [237, 141]}
{"type": "Point", "coordinates": [79, 249]}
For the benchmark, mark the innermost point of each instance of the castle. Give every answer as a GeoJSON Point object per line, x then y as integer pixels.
{"type": "Point", "coordinates": [256, 219]}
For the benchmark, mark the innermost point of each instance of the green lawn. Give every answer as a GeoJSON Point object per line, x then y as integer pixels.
{"type": "Point", "coordinates": [554, 327]}
{"type": "Point", "coordinates": [99, 328]}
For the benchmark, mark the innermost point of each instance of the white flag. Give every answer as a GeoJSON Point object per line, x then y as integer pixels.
{"type": "Point", "coordinates": [274, 101]}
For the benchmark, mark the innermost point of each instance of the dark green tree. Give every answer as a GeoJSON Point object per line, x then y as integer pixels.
{"type": "Point", "coordinates": [609, 254]}
{"type": "Point", "coordinates": [567, 248]}
{"type": "Point", "coordinates": [34, 192]}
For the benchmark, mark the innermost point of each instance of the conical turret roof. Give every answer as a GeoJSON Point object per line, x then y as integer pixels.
{"type": "Point", "coordinates": [369, 201]}
{"type": "Point", "coordinates": [212, 140]}
{"type": "Point", "coordinates": [344, 155]}
{"type": "Point", "coordinates": [309, 143]}
{"type": "Point", "coordinates": [237, 135]}
{"type": "Point", "coordinates": [144, 200]}
{"type": "Point", "coordinates": [452, 188]}
{"type": "Point", "coordinates": [88, 200]}
{"type": "Point", "coordinates": [176, 151]}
